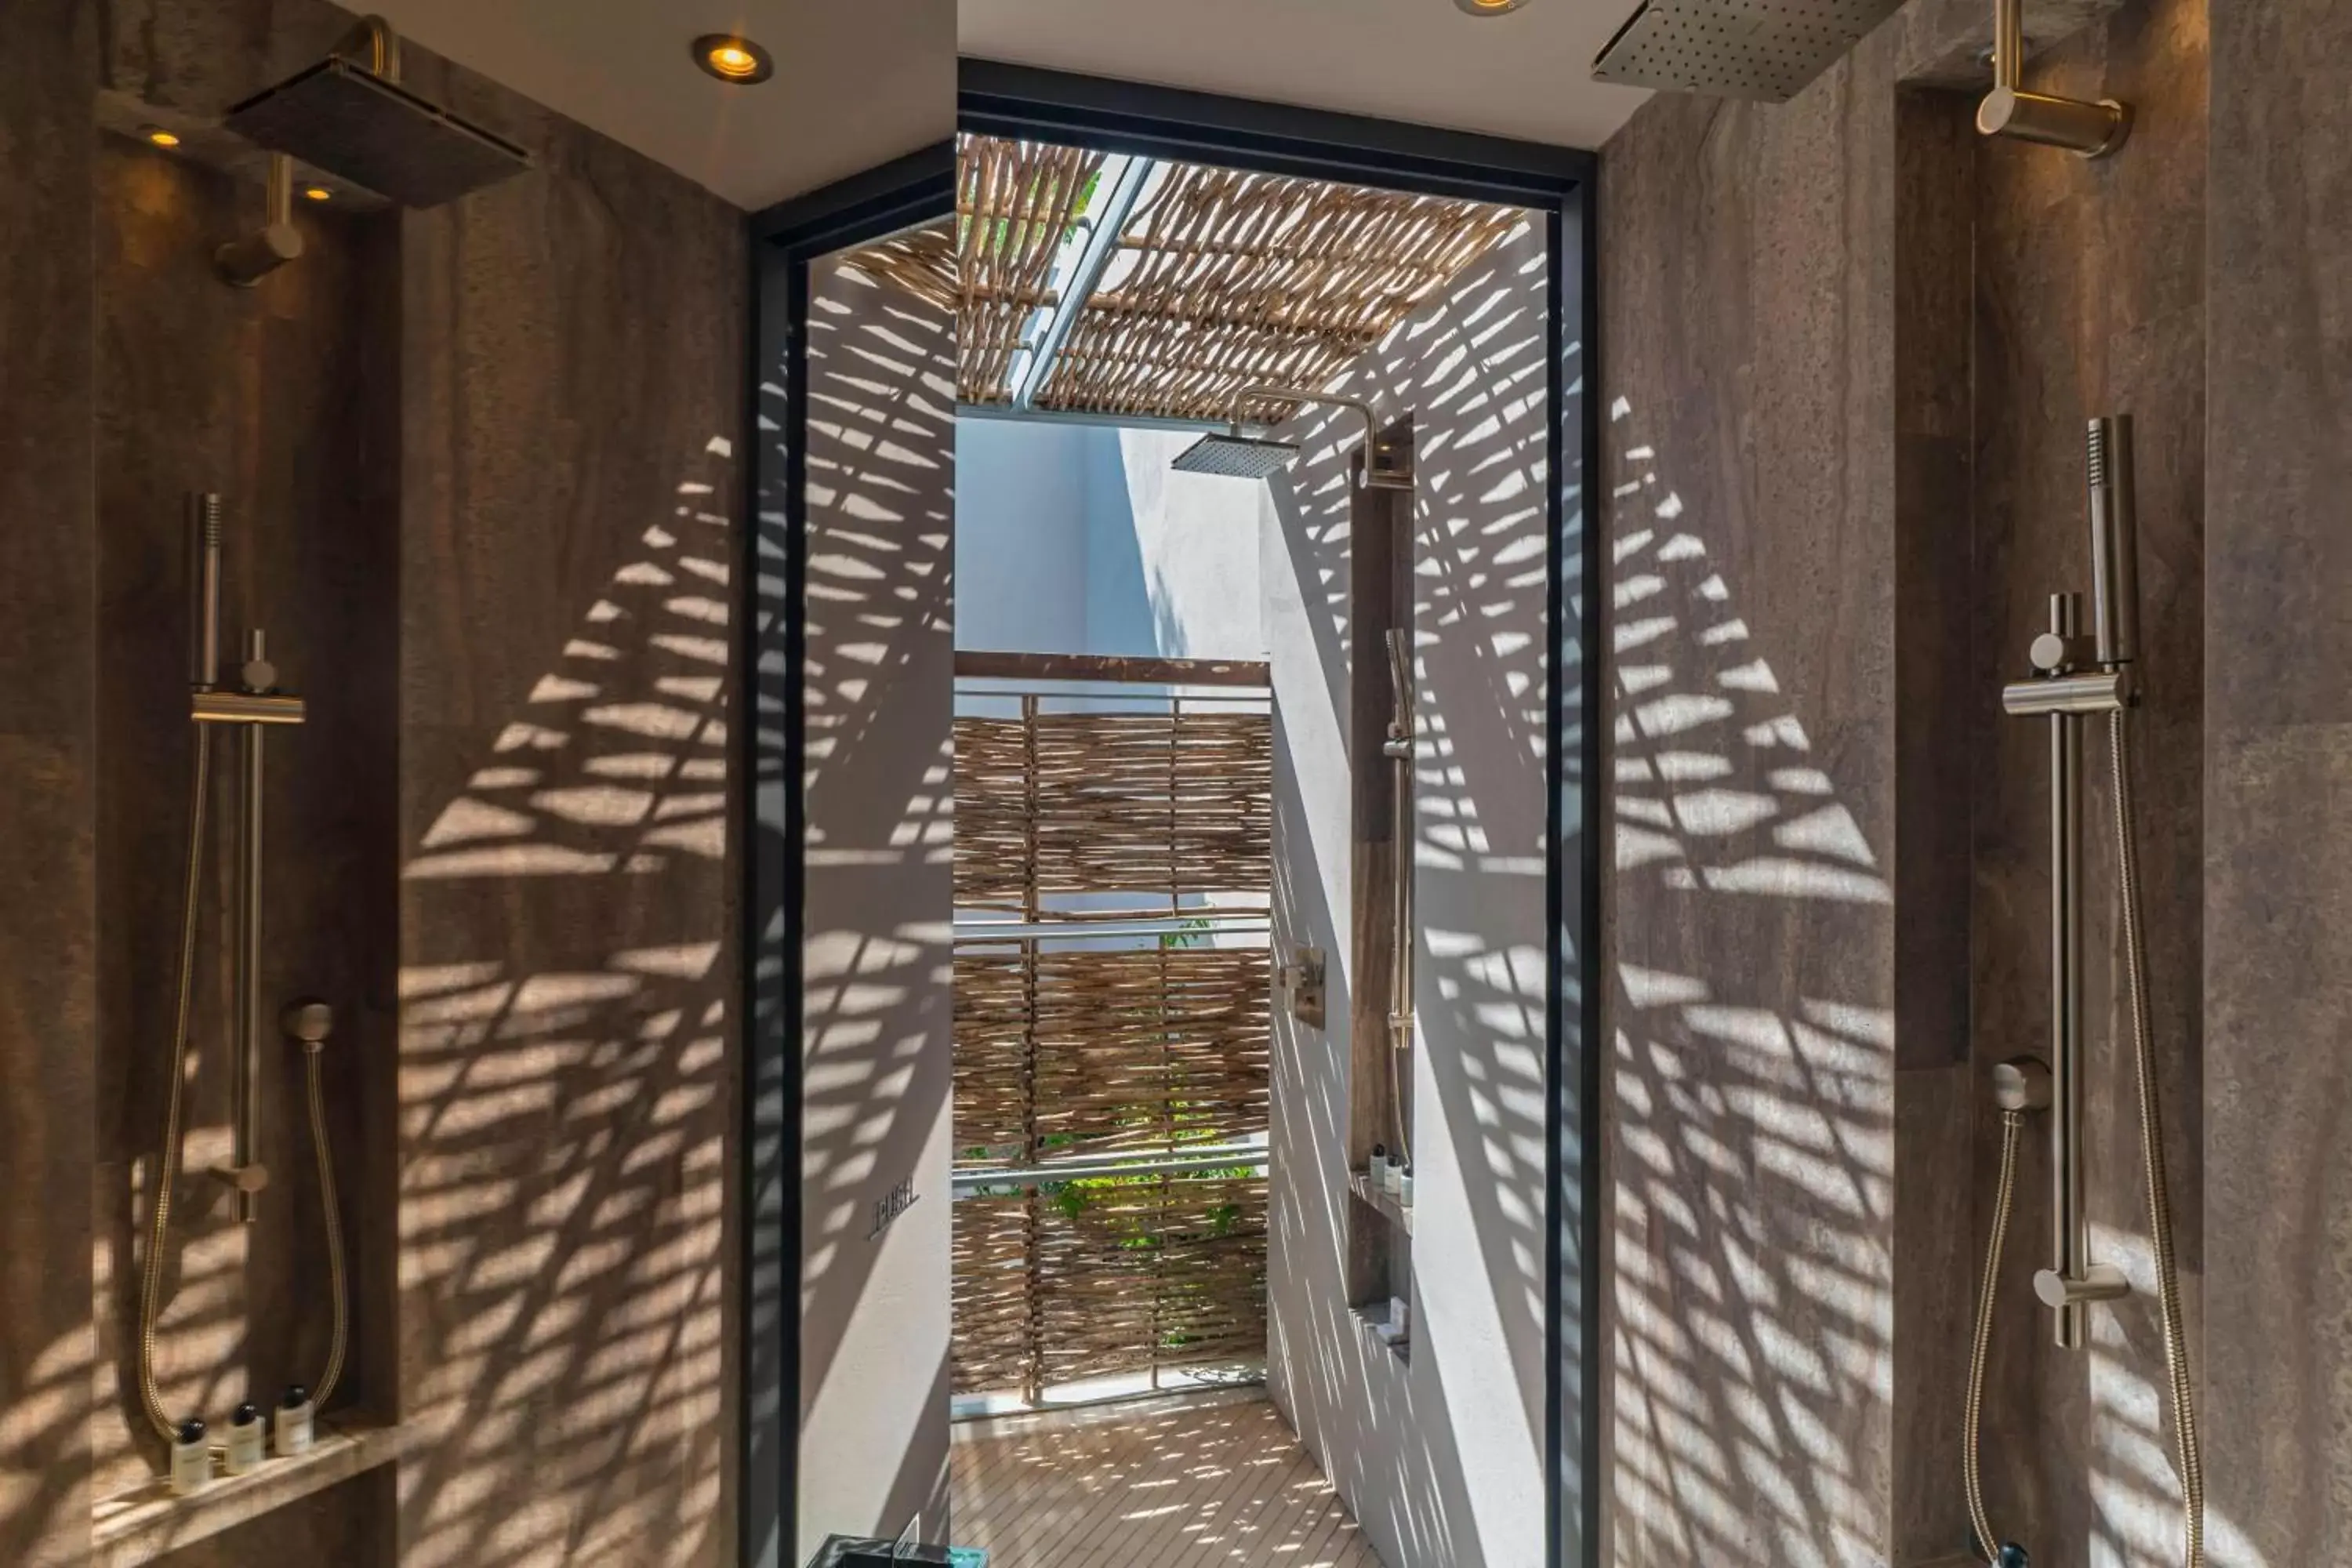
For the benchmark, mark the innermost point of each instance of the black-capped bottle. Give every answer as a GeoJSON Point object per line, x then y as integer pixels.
{"type": "Point", "coordinates": [293, 1423]}
{"type": "Point", "coordinates": [192, 1458]}
{"type": "Point", "coordinates": [248, 1440]}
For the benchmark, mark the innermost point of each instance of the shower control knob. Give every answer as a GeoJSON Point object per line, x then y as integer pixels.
{"type": "Point", "coordinates": [308, 1020]}
{"type": "Point", "coordinates": [2053, 652]}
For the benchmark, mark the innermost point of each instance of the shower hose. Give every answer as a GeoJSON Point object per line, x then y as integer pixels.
{"type": "Point", "coordinates": [2159, 1209]}
{"type": "Point", "coordinates": [167, 1174]}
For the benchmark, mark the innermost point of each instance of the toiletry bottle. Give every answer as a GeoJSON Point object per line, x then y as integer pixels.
{"type": "Point", "coordinates": [248, 1440]}
{"type": "Point", "coordinates": [294, 1422]}
{"type": "Point", "coordinates": [191, 1461]}
{"type": "Point", "coordinates": [1372, 1166]}
{"type": "Point", "coordinates": [1404, 1186]}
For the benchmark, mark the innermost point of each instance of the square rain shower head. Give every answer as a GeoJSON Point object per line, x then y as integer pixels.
{"type": "Point", "coordinates": [1767, 49]}
{"type": "Point", "coordinates": [348, 121]}
{"type": "Point", "coordinates": [1236, 455]}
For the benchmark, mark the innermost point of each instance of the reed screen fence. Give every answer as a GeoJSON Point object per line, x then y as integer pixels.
{"type": "Point", "coordinates": [1106, 1221]}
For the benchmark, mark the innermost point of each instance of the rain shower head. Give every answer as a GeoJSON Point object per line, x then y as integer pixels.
{"type": "Point", "coordinates": [1236, 455]}
{"type": "Point", "coordinates": [1766, 49]}
{"type": "Point", "coordinates": [350, 120]}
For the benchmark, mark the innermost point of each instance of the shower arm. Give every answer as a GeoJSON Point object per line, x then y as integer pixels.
{"type": "Point", "coordinates": [2085, 129]}
{"type": "Point", "coordinates": [382, 45]}
{"type": "Point", "coordinates": [1376, 476]}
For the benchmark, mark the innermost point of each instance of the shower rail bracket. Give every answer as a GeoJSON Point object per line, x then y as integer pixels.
{"type": "Point", "coordinates": [2096, 1282]}
{"type": "Point", "coordinates": [247, 1178]}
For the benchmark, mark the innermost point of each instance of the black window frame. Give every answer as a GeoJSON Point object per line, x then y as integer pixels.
{"type": "Point", "coordinates": [1001, 100]}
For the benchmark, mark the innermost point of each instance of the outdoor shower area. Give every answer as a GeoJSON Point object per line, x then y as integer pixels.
{"type": "Point", "coordinates": [1176, 982]}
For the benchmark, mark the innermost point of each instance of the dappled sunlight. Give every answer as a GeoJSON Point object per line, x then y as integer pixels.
{"type": "Point", "coordinates": [565, 1097]}
{"type": "Point", "coordinates": [1752, 1088]}
{"type": "Point", "coordinates": [1472, 374]}
{"type": "Point", "coordinates": [1195, 1481]}
{"type": "Point", "coordinates": [44, 1415]}
{"type": "Point", "coordinates": [877, 935]}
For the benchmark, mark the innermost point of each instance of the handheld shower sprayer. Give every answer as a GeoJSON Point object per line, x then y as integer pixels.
{"type": "Point", "coordinates": [2074, 676]}
{"type": "Point", "coordinates": [251, 709]}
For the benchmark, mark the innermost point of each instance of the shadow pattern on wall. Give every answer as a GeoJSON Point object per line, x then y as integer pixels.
{"type": "Point", "coordinates": [1749, 1091]}
{"type": "Point", "coordinates": [876, 947]}
{"type": "Point", "coordinates": [575, 1076]}
{"type": "Point", "coordinates": [1401, 1441]}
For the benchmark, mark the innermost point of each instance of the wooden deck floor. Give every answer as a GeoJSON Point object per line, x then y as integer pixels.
{"type": "Point", "coordinates": [1173, 1483]}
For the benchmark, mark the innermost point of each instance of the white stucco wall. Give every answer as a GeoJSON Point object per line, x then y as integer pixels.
{"type": "Point", "coordinates": [1079, 539]}
{"type": "Point", "coordinates": [1442, 1460]}
{"type": "Point", "coordinates": [876, 948]}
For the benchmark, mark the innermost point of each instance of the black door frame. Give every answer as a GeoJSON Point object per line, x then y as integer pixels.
{"type": "Point", "coordinates": [1121, 117]}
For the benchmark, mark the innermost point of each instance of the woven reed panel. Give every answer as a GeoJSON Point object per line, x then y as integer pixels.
{"type": "Point", "coordinates": [1128, 1274]}
{"type": "Point", "coordinates": [1223, 277]}
{"type": "Point", "coordinates": [989, 1347]}
{"type": "Point", "coordinates": [1156, 803]}
{"type": "Point", "coordinates": [1135, 1050]}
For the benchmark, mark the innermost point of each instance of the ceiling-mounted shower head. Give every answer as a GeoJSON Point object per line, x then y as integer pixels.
{"type": "Point", "coordinates": [1236, 455]}
{"type": "Point", "coordinates": [1766, 49]}
{"type": "Point", "coordinates": [362, 124]}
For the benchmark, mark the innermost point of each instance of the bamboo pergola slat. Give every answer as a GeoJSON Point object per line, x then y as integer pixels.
{"type": "Point", "coordinates": [1219, 277]}
{"type": "Point", "coordinates": [1225, 277]}
{"type": "Point", "coordinates": [1016, 203]}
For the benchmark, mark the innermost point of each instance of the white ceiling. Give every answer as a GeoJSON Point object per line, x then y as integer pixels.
{"type": "Point", "coordinates": [856, 84]}
{"type": "Point", "coordinates": [1526, 73]}
{"type": "Point", "coordinates": [861, 81]}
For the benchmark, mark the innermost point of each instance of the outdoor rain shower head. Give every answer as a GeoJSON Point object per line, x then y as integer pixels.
{"type": "Point", "coordinates": [1236, 455]}
{"type": "Point", "coordinates": [358, 122]}
{"type": "Point", "coordinates": [1230, 453]}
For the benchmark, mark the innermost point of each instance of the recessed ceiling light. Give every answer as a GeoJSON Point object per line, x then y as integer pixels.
{"type": "Point", "coordinates": [318, 193]}
{"type": "Point", "coordinates": [732, 59]}
{"type": "Point", "coordinates": [1490, 8]}
{"type": "Point", "coordinates": [161, 137]}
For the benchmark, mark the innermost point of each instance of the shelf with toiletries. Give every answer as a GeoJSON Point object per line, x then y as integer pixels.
{"type": "Point", "coordinates": [1391, 1196]}
{"type": "Point", "coordinates": [145, 1523]}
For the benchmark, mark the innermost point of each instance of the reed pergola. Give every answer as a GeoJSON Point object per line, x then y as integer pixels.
{"type": "Point", "coordinates": [1212, 277]}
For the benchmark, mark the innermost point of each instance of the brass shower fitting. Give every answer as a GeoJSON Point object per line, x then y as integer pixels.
{"type": "Point", "coordinates": [1404, 730]}
{"type": "Point", "coordinates": [243, 263]}
{"type": "Point", "coordinates": [2087, 130]}
{"type": "Point", "coordinates": [251, 710]}
{"type": "Point", "coordinates": [246, 262]}
{"type": "Point", "coordinates": [2074, 676]}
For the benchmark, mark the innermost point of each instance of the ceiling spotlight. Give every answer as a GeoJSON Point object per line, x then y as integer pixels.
{"type": "Point", "coordinates": [732, 59]}
{"type": "Point", "coordinates": [1488, 7]}
{"type": "Point", "coordinates": [317, 193]}
{"type": "Point", "coordinates": [161, 137]}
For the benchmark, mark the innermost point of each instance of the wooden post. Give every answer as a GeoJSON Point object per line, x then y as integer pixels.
{"type": "Point", "coordinates": [1032, 1378]}
{"type": "Point", "coordinates": [1380, 585]}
